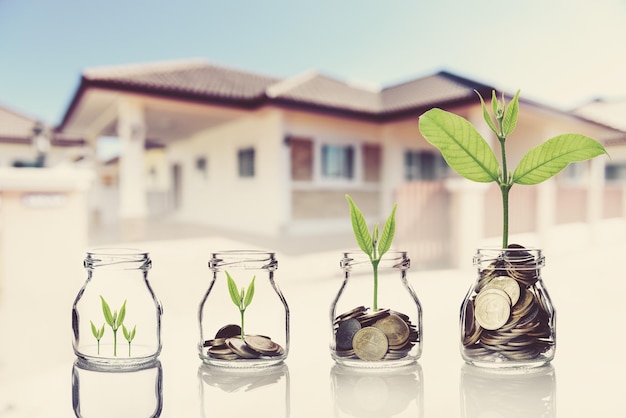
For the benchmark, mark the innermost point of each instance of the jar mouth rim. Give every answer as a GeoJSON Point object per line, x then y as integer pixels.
{"type": "Point", "coordinates": [116, 251]}
{"type": "Point", "coordinates": [359, 251]}
{"type": "Point", "coordinates": [242, 252]}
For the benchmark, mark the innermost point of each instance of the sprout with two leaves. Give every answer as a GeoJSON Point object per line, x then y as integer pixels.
{"type": "Point", "coordinates": [114, 320]}
{"type": "Point", "coordinates": [241, 298]}
{"type": "Point", "coordinates": [469, 154]}
{"type": "Point", "coordinates": [97, 333]}
{"type": "Point", "coordinates": [372, 245]}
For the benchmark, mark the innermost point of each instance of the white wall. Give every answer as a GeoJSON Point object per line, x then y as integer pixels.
{"type": "Point", "coordinates": [220, 197]}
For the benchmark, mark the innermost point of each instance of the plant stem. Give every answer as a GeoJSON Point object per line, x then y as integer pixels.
{"type": "Point", "coordinates": [242, 323]}
{"type": "Point", "coordinates": [504, 189]}
{"type": "Point", "coordinates": [505, 215]}
{"type": "Point", "coordinates": [98, 347]}
{"type": "Point", "coordinates": [375, 302]}
{"type": "Point", "coordinates": [115, 343]}
{"type": "Point", "coordinates": [129, 349]}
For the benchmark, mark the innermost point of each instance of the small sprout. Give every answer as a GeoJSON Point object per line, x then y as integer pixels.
{"type": "Point", "coordinates": [129, 336]}
{"type": "Point", "coordinates": [374, 247]}
{"type": "Point", "coordinates": [241, 298]}
{"type": "Point", "coordinates": [114, 320]}
{"type": "Point", "coordinates": [97, 333]}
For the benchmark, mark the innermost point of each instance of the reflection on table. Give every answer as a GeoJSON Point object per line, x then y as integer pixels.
{"type": "Point", "coordinates": [377, 393]}
{"type": "Point", "coordinates": [264, 391]}
{"type": "Point", "coordinates": [136, 393]}
{"type": "Point", "coordinates": [493, 393]}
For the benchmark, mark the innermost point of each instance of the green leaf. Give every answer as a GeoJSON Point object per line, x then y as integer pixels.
{"type": "Point", "coordinates": [388, 232]}
{"type": "Point", "coordinates": [126, 334]}
{"type": "Point", "coordinates": [494, 105]}
{"type": "Point", "coordinates": [232, 290]}
{"type": "Point", "coordinates": [510, 116]}
{"type": "Point", "coordinates": [101, 333]}
{"type": "Point", "coordinates": [132, 333]}
{"type": "Point", "coordinates": [359, 225]}
{"type": "Point", "coordinates": [94, 330]}
{"type": "Point", "coordinates": [460, 144]}
{"type": "Point", "coordinates": [486, 114]}
{"type": "Point", "coordinates": [249, 294]}
{"type": "Point", "coordinates": [548, 159]}
{"type": "Point", "coordinates": [121, 316]}
{"type": "Point", "coordinates": [106, 310]}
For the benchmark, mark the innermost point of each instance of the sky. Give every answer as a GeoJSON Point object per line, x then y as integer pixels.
{"type": "Point", "coordinates": [561, 53]}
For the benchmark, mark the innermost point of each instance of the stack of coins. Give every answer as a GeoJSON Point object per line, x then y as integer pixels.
{"type": "Point", "coordinates": [229, 345]}
{"type": "Point", "coordinates": [507, 314]}
{"type": "Point", "coordinates": [374, 335]}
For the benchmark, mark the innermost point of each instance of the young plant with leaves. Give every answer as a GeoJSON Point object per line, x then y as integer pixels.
{"type": "Point", "coordinates": [241, 298]}
{"type": "Point", "coordinates": [97, 333]}
{"type": "Point", "coordinates": [114, 320]}
{"type": "Point", "coordinates": [469, 154]}
{"type": "Point", "coordinates": [129, 335]}
{"type": "Point", "coordinates": [372, 245]}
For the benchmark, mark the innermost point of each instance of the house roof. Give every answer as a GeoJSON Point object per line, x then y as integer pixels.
{"type": "Point", "coordinates": [18, 128]}
{"type": "Point", "coordinates": [200, 81]}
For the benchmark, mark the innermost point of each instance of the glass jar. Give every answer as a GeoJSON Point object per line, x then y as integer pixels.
{"type": "Point", "coordinates": [116, 317]}
{"type": "Point", "coordinates": [376, 319]}
{"type": "Point", "coordinates": [265, 391]}
{"type": "Point", "coordinates": [244, 317]}
{"type": "Point", "coordinates": [507, 318]}
{"type": "Point", "coordinates": [128, 393]}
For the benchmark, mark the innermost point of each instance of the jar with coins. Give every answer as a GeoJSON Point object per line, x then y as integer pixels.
{"type": "Point", "coordinates": [507, 318]}
{"type": "Point", "coordinates": [376, 322]}
{"type": "Point", "coordinates": [244, 317]}
{"type": "Point", "coordinates": [116, 317]}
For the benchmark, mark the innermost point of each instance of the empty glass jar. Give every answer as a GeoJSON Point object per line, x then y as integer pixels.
{"type": "Point", "coordinates": [507, 318]}
{"type": "Point", "coordinates": [376, 318]}
{"type": "Point", "coordinates": [244, 317]}
{"type": "Point", "coordinates": [116, 317]}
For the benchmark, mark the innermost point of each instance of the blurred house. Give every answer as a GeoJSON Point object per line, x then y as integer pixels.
{"type": "Point", "coordinates": [27, 141]}
{"type": "Point", "coordinates": [243, 151]}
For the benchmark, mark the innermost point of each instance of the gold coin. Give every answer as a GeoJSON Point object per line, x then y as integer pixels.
{"type": "Point", "coordinates": [370, 344]}
{"type": "Point", "coordinates": [509, 285]}
{"type": "Point", "coordinates": [395, 329]}
{"type": "Point", "coordinates": [492, 308]}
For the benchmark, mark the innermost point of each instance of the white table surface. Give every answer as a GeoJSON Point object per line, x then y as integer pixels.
{"type": "Point", "coordinates": [586, 379]}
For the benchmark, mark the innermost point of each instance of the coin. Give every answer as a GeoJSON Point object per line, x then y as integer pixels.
{"type": "Point", "coordinates": [345, 333]}
{"type": "Point", "coordinates": [359, 310]}
{"type": "Point", "coordinates": [239, 347]}
{"type": "Point", "coordinates": [262, 345]}
{"type": "Point", "coordinates": [509, 285]}
{"type": "Point", "coordinates": [492, 308]}
{"type": "Point", "coordinates": [371, 317]}
{"type": "Point", "coordinates": [370, 344]}
{"type": "Point", "coordinates": [395, 329]}
{"type": "Point", "coordinates": [228, 331]}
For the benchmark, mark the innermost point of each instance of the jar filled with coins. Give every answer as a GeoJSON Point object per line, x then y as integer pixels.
{"type": "Point", "coordinates": [116, 317]}
{"type": "Point", "coordinates": [376, 317]}
{"type": "Point", "coordinates": [507, 318]}
{"type": "Point", "coordinates": [244, 317]}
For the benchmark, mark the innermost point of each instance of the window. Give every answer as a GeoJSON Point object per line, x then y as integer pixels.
{"type": "Point", "coordinates": [337, 161]}
{"type": "Point", "coordinates": [245, 159]}
{"type": "Point", "coordinates": [615, 172]}
{"type": "Point", "coordinates": [423, 165]}
{"type": "Point", "coordinates": [301, 159]}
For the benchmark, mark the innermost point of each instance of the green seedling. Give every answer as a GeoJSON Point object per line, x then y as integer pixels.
{"type": "Point", "coordinates": [372, 245]}
{"type": "Point", "coordinates": [241, 298]}
{"type": "Point", "coordinates": [469, 154]}
{"type": "Point", "coordinates": [97, 333]}
{"type": "Point", "coordinates": [129, 335]}
{"type": "Point", "coordinates": [114, 320]}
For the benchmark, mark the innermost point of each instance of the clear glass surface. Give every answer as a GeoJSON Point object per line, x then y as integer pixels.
{"type": "Point", "coordinates": [375, 322]}
{"type": "Point", "coordinates": [507, 319]}
{"type": "Point", "coordinates": [258, 336]}
{"type": "Point", "coordinates": [116, 317]}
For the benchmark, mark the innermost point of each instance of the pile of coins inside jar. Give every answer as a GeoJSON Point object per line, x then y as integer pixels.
{"type": "Point", "coordinates": [228, 344]}
{"type": "Point", "coordinates": [374, 335]}
{"type": "Point", "coordinates": [507, 314]}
